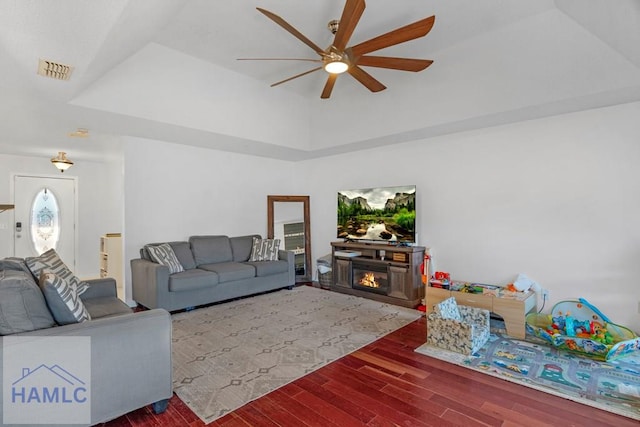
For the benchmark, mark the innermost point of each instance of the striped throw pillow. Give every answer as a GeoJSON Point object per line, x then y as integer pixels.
{"type": "Point", "coordinates": [265, 249]}
{"type": "Point", "coordinates": [63, 301]}
{"type": "Point", "coordinates": [50, 261]}
{"type": "Point", "coordinates": [163, 254]}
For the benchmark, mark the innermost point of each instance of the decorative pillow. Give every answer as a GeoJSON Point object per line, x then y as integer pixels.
{"type": "Point", "coordinates": [448, 309]}
{"type": "Point", "coordinates": [50, 261]}
{"type": "Point", "coordinates": [163, 254]}
{"type": "Point", "coordinates": [265, 249]}
{"type": "Point", "coordinates": [63, 300]}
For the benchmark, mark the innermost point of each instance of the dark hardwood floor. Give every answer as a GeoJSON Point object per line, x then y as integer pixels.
{"type": "Point", "coordinates": [387, 384]}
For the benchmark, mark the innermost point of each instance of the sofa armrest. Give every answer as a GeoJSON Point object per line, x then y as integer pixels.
{"type": "Point", "coordinates": [130, 360]}
{"type": "Point", "coordinates": [149, 282]}
{"type": "Point", "coordinates": [98, 288]}
{"type": "Point", "coordinates": [291, 260]}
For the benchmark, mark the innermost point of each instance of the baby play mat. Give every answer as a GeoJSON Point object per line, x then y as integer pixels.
{"type": "Point", "coordinates": [612, 386]}
{"type": "Point", "coordinates": [578, 326]}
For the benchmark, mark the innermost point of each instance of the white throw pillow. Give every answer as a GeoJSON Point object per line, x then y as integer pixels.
{"type": "Point", "coordinates": [265, 249]}
{"type": "Point", "coordinates": [163, 254]}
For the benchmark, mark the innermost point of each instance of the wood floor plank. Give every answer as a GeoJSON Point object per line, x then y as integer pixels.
{"type": "Point", "coordinates": [306, 415]}
{"type": "Point", "coordinates": [340, 369]}
{"type": "Point", "coordinates": [253, 417]}
{"type": "Point", "coordinates": [327, 410]}
{"type": "Point", "coordinates": [514, 417]}
{"type": "Point", "coordinates": [388, 363]}
{"type": "Point", "coordinates": [276, 413]}
{"type": "Point", "coordinates": [337, 401]}
{"type": "Point", "coordinates": [405, 381]}
{"type": "Point", "coordinates": [462, 419]}
{"type": "Point", "coordinates": [417, 400]}
{"type": "Point", "coordinates": [466, 409]}
{"type": "Point", "coordinates": [379, 403]}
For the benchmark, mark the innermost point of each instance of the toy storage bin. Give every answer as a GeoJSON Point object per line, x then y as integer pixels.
{"type": "Point", "coordinates": [325, 279]}
{"type": "Point", "coordinates": [590, 332]}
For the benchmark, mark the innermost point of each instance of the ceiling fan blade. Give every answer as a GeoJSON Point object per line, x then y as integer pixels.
{"type": "Point", "coordinates": [328, 87]}
{"type": "Point", "coordinates": [284, 24]}
{"type": "Point", "coordinates": [366, 79]}
{"type": "Point", "coordinates": [400, 35]}
{"type": "Point", "coordinates": [296, 76]}
{"type": "Point", "coordinates": [351, 14]}
{"type": "Point", "coordinates": [278, 59]}
{"type": "Point", "coordinates": [403, 64]}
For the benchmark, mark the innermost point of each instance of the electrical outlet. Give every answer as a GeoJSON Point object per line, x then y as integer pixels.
{"type": "Point", "coordinates": [545, 294]}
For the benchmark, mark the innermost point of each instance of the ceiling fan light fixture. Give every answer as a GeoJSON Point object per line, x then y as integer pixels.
{"type": "Point", "coordinates": [336, 67]}
{"type": "Point", "coordinates": [61, 161]}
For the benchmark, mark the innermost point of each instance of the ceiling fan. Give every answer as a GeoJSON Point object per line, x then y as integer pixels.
{"type": "Point", "coordinates": [338, 58]}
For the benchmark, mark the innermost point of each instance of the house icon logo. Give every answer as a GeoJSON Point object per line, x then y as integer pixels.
{"type": "Point", "coordinates": [46, 380]}
{"type": "Point", "coordinates": [48, 384]}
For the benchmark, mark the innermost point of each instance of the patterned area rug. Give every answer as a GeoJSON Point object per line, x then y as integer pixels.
{"type": "Point", "coordinates": [612, 386]}
{"type": "Point", "coordinates": [229, 354]}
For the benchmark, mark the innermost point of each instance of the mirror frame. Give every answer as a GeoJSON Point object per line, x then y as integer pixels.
{"type": "Point", "coordinates": [271, 200]}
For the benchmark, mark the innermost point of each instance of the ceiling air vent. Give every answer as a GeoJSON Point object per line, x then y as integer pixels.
{"type": "Point", "coordinates": [54, 70]}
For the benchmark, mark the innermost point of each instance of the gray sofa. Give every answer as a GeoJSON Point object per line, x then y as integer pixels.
{"type": "Point", "coordinates": [216, 268]}
{"type": "Point", "coordinates": [130, 352]}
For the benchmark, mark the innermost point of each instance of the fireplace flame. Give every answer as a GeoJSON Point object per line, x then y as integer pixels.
{"type": "Point", "coordinates": [369, 280]}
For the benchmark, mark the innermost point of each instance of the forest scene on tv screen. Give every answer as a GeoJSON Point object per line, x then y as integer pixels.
{"type": "Point", "coordinates": [385, 213]}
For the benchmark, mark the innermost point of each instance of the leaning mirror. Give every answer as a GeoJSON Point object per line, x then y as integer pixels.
{"type": "Point", "coordinates": [288, 220]}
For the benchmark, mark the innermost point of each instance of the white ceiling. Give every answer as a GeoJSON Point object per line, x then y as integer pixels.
{"type": "Point", "coordinates": [168, 70]}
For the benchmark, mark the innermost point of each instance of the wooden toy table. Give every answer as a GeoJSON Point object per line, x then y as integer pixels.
{"type": "Point", "coordinates": [513, 309]}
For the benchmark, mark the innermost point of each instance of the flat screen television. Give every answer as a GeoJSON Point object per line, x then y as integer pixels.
{"type": "Point", "coordinates": [378, 214]}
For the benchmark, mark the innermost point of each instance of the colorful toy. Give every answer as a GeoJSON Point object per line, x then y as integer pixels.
{"type": "Point", "coordinates": [579, 327]}
{"type": "Point", "coordinates": [442, 275]}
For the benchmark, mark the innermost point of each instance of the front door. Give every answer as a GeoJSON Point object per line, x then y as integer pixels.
{"type": "Point", "coordinates": [45, 216]}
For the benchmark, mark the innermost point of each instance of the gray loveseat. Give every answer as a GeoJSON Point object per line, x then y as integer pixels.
{"type": "Point", "coordinates": [216, 268]}
{"type": "Point", "coordinates": [130, 352]}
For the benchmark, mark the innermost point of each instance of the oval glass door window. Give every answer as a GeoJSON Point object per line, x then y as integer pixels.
{"type": "Point", "coordinates": [45, 221]}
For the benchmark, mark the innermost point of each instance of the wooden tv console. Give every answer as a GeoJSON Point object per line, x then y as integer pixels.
{"type": "Point", "coordinates": [399, 264]}
{"type": "Point", "coordinates": [512, 310]}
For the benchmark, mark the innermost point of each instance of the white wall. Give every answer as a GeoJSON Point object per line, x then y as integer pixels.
{"type": "Point", "coordinates": [557, 199]}
{"type": "Point", "coordinates": [99, 204]}
{"type": "Point", "coordinates": [175, 191]}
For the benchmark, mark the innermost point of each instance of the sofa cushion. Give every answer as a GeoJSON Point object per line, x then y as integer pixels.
{"type": "Point", "coordinates": [264, 249]}
{"type": "Point", "coordinates": [230, 271]}
{"type": "Point", "coordinates": [267, 268]}
{"type": "Point", "coordinates": [163, 254]}
{"type": "Point", "coordinates": [192, 279]}
{"type": "Point", "coordinates": [241, 247]}
{"type": "Point", "coordinates": [22, 305]}
{"type": "Point", "coordinates": [184, 254]}
{"type": "Point", "coordinates": [15, 264]}
{"type": "Point", "coordinates": [211, 249]}
{"type": "Point", "coordinates": [50, 261]}
{"type": "Point", "coordinates": [106, 307]}
{"type": "Point", "coordinates": [63, 300]}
